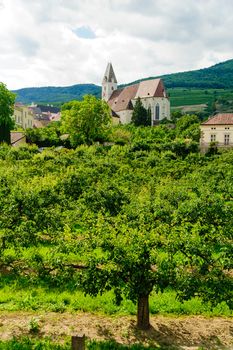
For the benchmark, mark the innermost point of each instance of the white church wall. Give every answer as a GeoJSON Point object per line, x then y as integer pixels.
{"type": "Point", "coordinates": [151, 102]}
{"type": "Point", "coordinates": [125, 116]}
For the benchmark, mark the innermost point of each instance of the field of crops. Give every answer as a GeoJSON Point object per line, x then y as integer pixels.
{"type": "Point", "coordinates": [183, 96]}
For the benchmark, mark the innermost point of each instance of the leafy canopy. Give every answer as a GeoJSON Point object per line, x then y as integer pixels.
{"type": "Point", "coordinates": [7, 100]}
{"type": "Point", "coordinates": [87, 120]}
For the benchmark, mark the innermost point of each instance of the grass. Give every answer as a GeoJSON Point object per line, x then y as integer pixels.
{"type": "Point", "coordinates": [47, 344]}
{"type": "Point", "coordinates": [15, 297]}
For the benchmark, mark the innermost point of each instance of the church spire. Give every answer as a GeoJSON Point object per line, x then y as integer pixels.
{"type": "Point", "coordinates": [109, 83]}
{"type": "Point", "coordinates": [109, 76]}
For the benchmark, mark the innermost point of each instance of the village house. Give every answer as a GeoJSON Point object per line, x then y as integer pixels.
{"type": "Point", "coordinates": [44, 114]}
{"type": "Point", "coordinates": [122, 101]}
{"type": "Point", "coordinates": [23, 116]}
{"type": "Point", "coordinates": [217, 130]}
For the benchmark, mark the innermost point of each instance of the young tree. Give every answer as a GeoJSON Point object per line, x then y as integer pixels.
{"type": "Point", "coordinates": [85, 120]}
{"type": "Point", "coordinates": [140, 115]}
{"type": "Point", "coordinates": [162, 239]}
{"type": "Point", "coordinates": [7, 100]}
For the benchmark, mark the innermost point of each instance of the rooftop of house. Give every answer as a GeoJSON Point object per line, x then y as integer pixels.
{"type": "Point", "coordinates": [220, 119]}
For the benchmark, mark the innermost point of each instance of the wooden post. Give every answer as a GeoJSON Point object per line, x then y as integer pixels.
{"type": "Point", "coordinates": [78, 342]}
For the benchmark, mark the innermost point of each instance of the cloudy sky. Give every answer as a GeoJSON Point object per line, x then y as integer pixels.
{"type": "Point", "coordinates": [66, 42]}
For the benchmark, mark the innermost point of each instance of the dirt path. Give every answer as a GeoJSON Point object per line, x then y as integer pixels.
{"type": "Point", "coordinates": [180, 333]}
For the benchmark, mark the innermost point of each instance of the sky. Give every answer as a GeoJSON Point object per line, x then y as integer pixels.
{"type": "Point", "coordinates": [67, 42]}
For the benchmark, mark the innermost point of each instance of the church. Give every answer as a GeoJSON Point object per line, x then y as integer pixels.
{"type": "Point", "coordinates": [121, 101]}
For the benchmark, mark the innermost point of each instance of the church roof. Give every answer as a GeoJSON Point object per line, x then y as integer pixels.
{"type": "Point", "coordinates": [109, 75]}
{"type": "Point", "coordinates": [220, 119]}
{"type": "Point", "coordinates": [151, 88]}
{"type": "Point", "coordinates": [121, 99]}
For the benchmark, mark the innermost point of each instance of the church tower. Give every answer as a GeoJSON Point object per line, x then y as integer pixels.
{"type": "Point", "coordinates": [109, 83]}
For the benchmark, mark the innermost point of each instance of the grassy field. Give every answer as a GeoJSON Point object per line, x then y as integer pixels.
{"type": "Point", "coordinates": [184, 97]}
{"type": "Point", "coordinates": [17, 296]}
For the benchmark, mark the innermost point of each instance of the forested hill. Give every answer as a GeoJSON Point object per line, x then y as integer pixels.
{"type": "Point", "coordinates": [219, 76]}
{"type": "Point", "coordinates": [56, 94]}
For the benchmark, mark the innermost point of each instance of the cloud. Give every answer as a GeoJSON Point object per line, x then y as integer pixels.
{"type": "Point", "coordinates": [141, 38]}
{"type": "Point", "coordinates": [27, 45]}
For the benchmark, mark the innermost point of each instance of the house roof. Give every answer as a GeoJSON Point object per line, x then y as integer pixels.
{"type": "Point", "coordinates": [121, 99]}
{"type": "Point", "coordinates": [109, 75]}
{"type": "Point", "coordinates": [220, 119]}
{"type": "Point", "coordinates": [40, 123]}
{"type": "Point", "coordinates": [47, 109]}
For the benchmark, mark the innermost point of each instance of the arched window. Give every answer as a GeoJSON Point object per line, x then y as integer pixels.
{"type": "Point", "coordinates": [149, 114]}
{"type": "Point", "coordinates": [157, 112]}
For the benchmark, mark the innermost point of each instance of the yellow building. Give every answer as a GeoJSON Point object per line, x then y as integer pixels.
{"type": "Point", "coordinates": [218, 130]}
{"type": "Point", "coordinates": [23, 116]}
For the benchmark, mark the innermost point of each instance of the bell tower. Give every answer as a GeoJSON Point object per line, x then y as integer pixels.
{"type": "Point", "coordinates": [109, 83]}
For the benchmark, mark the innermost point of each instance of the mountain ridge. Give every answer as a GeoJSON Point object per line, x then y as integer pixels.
{"type": "Point", "coordinates": [218, 76]}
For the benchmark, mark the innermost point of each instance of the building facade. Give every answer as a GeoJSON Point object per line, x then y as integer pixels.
{"type": "Point", "coordinates": [122, 101]}
{"type": "Point", "coordinates": [217, 130]}
{"type": "Point", "coordinates": [23, 116]}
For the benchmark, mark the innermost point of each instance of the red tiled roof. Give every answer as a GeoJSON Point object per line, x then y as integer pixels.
{"type": "Point", "coordinates": [151, 88]}
{"type": "Point", "coordinates": [220, 119]}
{"type": "Point", "coordinates": [121, 99]}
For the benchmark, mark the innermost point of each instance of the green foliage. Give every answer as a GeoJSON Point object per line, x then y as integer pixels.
{"type": "Point", "coordinates": [48, 136]}
{"type": "Point", "coordinates": [188, 127]}
{"type": "Point", "coordinates": [7, 100]}
{"type": "Point", "coordinates": [47, 344]}
{"type": "Point", "coordinates": [32, 344]}
{"type": "Point", "coordinates": [147, 217]}
{"type": "Point", "coordinates": [86, 121]}
{"type": "Point", "coordinates": [120, 136]}
{"type": "Point", "coordinates": [33, 326]}
{"type": "Point", "coordinates": [140, 115]}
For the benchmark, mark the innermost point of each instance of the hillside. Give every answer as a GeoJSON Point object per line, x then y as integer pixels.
{"type": "Point", "coordinates": [56, 94]}
{"type": "Point", "coordinates": [219, 76]}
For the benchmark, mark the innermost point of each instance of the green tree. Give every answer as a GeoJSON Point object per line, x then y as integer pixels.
{"type": "Point", "coordinates": [162, 240]}
{"type": "Point", "coordinates": [188, 126]}
{"type": "Point", "coordinates": [140, 115]}
{"type": "Point", "coordinates": [87, 120]}
{"type": "Point", "coordinates": [7, 100]}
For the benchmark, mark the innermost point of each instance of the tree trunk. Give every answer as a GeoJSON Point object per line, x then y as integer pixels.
{"type": "Point", "coordinates": [143, 321]}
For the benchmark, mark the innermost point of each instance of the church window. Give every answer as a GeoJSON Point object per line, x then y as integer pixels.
{"type": "Point", "coordinates": [157, 112]}
{"type": "Point", "coordinates": [112, 88]}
